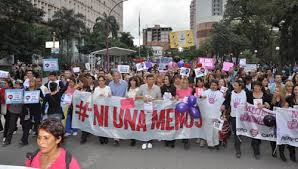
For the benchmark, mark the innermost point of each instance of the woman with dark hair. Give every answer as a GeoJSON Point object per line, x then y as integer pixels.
{"type": "Point", "coordinates": [295, 79]}
{"type": "Point", "coordinates": [54, 99]}
{"type": "Point", "coordinates": [291, 101]}
{"type": "Point", "coordinates": [133, 87]}
{"type": "Point", "coordinates": [168, 91]}
{"type": "Point", "coordinates": [257, 93]}
{"type": "Point", "coordinates": [50, 154]}
{"type": "Point", "coordinates": [177, 81]}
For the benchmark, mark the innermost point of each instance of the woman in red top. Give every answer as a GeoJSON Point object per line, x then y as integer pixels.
{"type": "Point", "coordinates": [50, 155]}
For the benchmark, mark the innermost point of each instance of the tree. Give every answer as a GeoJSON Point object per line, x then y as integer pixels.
{"type": "Point", "coordinates": [22, 32]}
{"type": "Point", "coordinates": [108, 24]}
{"type": "Point", "coordinates": [67, 26]}
{"type": "Point", "coordinates": [127, 39]}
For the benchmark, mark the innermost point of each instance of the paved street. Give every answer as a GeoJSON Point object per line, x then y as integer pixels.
{"type": "Point", "coordinates": [92, 155]}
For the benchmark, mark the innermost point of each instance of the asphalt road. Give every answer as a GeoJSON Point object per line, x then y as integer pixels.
{"type": "Point", "coordinates": [93, 155]}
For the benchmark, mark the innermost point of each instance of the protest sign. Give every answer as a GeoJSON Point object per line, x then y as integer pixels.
{"type": "Point", "coordinates": [208, 63]}
{"type": "Point", "coordinates": [184, 71]}
{"type": "Point", "coordinates": [105, 117]}
{"type": "Point", "coordinates": [76, 69]}
{"type": "Point", "coordinates": [50, 65]}
{"type": "Point", "coordinates": [14, 96]}
{"type": "Point", "coordinates": [200, 72]}
{"type": "Point", "coordinates": [4, 74]}
{"type": "Point", "coordinates": [88, 66]}
{"type": "Point", "coordinates": [123, 68]}
{"type": "Point", "coordinates": [141, 66]}
{"type": "Point", "coordinates": [250, 123]}
{"type": "Point", "coordinates": [242, 62]}
{"type": "Point", "coordinates": [227, 66]}
{"type": "Point", "coordinates": [31, 97]}
{"type": "Point", "coordinates": [250, 67]}
{"type": "Point", "coordinates": [287, 126]}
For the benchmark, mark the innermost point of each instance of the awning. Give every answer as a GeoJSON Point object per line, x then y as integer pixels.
{"type": "Point", "coordinates": [114, 51]}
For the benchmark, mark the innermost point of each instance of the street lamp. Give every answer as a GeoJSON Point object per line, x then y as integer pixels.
{"type": "Point", "coordinates": [107, 36]}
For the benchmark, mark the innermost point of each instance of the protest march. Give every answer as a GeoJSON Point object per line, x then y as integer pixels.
{"type": "Point", "coordinates": [205, 101]}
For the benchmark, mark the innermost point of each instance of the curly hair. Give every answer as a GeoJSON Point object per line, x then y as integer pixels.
{"type": "Point", "coordinates": [54, 127]}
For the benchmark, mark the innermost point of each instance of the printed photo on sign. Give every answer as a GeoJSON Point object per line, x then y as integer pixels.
{"type": "Point", "coordinates": [50, 65]}
{"type": "Point", "coordinates": [141, 66]}
{"type": "Point", "coordinates": [200, 72]}
{"type": "Point", "coordinates": [76, 69]}
{"type": "Point", "coordinates": [14, 96]}
{"type": "Point", "coordinates": [31, 97]}
{"type": "Point", "coordinates": [258, 102]}
{"type": "Point", "coordinates": [184, 71]}
{"type": "Point", "coordinates": [123, 68]}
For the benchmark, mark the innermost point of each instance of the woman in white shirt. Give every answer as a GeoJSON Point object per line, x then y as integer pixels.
{"type": "Point", "coordinates": [102, 90]}
{"type": "Point", "coordinates": [133, 87]}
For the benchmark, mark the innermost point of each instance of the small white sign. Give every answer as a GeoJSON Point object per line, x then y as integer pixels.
{"type": "Point", "coordinates": [218, 124]}
{"type": "Point", "coordinates": [50, 65]}
{"type": "Point", "coordinates": [258, 102]}
{"type": "Point", "coordinates": [242, 62]}
{"type": "Point", "coordinates": [200, 72]}
{"type": "Point", "coordinates": [141, 66]}
{"type": "Point", "coordinates": [184, 72]}
{"type": "Point", "coordinates": [223, 89]}
{"type": "Point", "coordinates": [76, 69]}
{"type": "Point", "coordinates": [123, 68]}
{"type": "Point", "coordinates": [3, 74]}
{"type": "Point", "coordinates": [88, 67]}
{"type": "Point", "coordinates": [31, 97]}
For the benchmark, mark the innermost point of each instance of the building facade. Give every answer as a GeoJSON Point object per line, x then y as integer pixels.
{"type": "Point", "coordinates": [91, 9]}
{"type": "Point", "coordinates": [157, 36]}
{"type": "Point", "coordinates": [203, 14]}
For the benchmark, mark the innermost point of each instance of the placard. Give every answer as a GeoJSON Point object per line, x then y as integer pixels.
{"type": "Point", "coordinates": [200, 72]}
{"type": "Point", "coordinates": [88, 67]}
{"type": "Point", "coordinates": [14, 96]}
{"type": "Point", "coordinates": [123, 68]}
{"type": "Point", "coordinates": [31, 97]}
{"type": "Point", "coordinates": [141, 66]}
{"type": "Point", "coordinates": [242, 62]}
{"type": "Point", "coordinates": [76, 69]}
{"type": "Point", "coordinates": [258, 102]}
{"type": "Point", "coordinates": [184, 71]}
{"type": "Point", "coordinates": [218, 124]}
{"type": "Point", "coordinates": [208, 63]}
{"type": "Point", "coordinates": [3, 74]}
{"type": "Point", "coordinates": [50, 65]}
{"type": "Point", "coordinates": [227, 66]}
{"type": "Point", "coordinates": [250, 67]}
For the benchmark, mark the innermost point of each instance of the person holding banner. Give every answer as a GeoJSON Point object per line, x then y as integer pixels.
{"type": "Point", "coordinates": [31, 115]}
{"type": "Point", "coordinates": [68, 100]}
{"type": "Point", "coordinates": [102, 91]}
{"type": "Point", "coordinates": [181, 94]}
{"type": "Point", "coordinates": [235, 101]}
{"type": "Point", "coordinates": [214, 100]}
{"type": "Point", "coordinates": [260, 100]}
{"type": "Point", "coordinates": [168, 92]}
{"type": "Point", "coordinates": [4, 107]}
{"type": "Point", "coordinates": [291, 101]}
{"type": "Point", "coordinates": [148, 92]}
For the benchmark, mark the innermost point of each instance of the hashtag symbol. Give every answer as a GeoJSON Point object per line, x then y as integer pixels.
{"type": "Point", "coordinates": [82, 111]}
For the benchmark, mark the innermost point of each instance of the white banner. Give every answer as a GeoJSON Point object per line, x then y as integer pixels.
{"type": "Point", "coordinates": [103, 116]}
{"type": "Point", "coordinates": [4, 74]}
{"type": "Point", "coordinates": [50, 65]}
{"type": "Point", "coordinates": [250, 123]}
{"type": "Point", "coordinates": [287, 126]}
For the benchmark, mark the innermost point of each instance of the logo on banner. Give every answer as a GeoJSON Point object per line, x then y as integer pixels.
{"type": "Point", "coordinates": [10, 96]}
{"type": "Point", "coordinates": [27, 97]}
{"type": "Point", "coordinates": [47, 65]}
{"type": "Point", "coordinates": [212, 99]}
{"type": "Point", "coordinates": [254, 132]}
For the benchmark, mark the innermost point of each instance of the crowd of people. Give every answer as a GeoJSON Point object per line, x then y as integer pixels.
{"type": "Point", "coordinates": [275, 90]}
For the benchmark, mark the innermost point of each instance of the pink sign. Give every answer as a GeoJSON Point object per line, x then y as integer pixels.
{"type": "Point", "coordinates": [128, 103]}
{"type": "Point", "coordinates": [208, 63]}
{"type": "Point", "coordinates": [227, 66]}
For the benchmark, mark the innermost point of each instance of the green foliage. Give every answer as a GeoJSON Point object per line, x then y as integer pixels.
{"type": "Point", "coordinates": [21, 31]}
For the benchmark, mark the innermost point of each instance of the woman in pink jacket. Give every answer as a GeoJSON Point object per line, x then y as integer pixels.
{"type": "Point", "coordinates": [50, 155]}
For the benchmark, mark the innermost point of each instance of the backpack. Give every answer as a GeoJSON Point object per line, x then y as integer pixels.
{"type": "Point", "coordinates": [68, 157]}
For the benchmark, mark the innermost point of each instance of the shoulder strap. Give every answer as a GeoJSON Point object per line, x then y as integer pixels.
{"type": "Point", "coordinates": [30, 156]}
{"type": "Point", "coordinates": [68, 157]}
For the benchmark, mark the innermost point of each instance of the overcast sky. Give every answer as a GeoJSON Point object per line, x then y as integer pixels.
{"type": "Point", "coordinates": [173, 13]}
